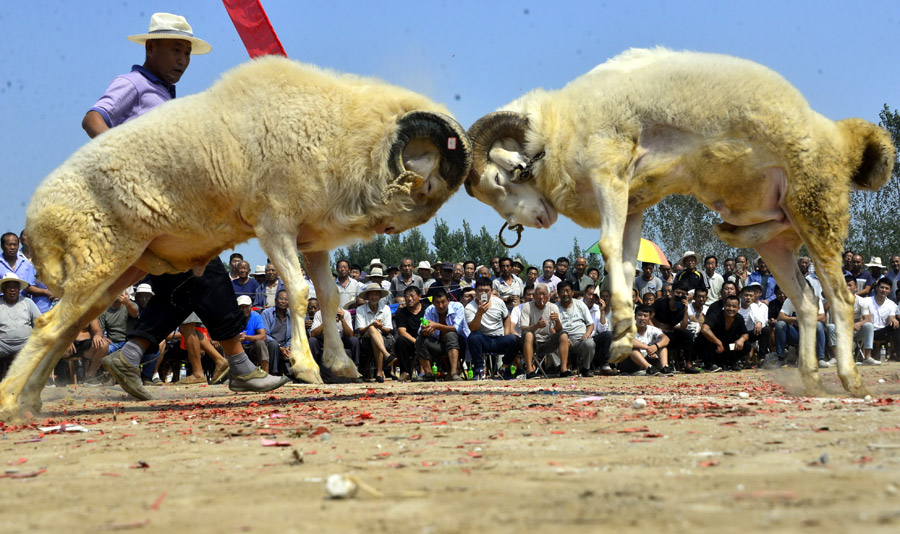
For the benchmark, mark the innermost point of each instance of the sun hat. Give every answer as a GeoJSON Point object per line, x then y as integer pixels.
{"type": "Point", "coordinates": [244, 300]}
{"type": "Point", "coordinates": [169, 26]}
{"type": "Point", "coordinates": [376, 272]}
{"type": "Point", "coordinates": [260, 270]}
{"type": "Point", "coordinates": [423, 265]}
{"type": "Point", "coordinates": [373, 287]}
{"type": "Point", "coordinates": [143, 288]}
{"type": "Point", "coordinates": [875, 262]}
{"type": "Point", "coordinates": [376, 262]}
{"type": "Point", "coordinates": [11, 277]}
{"type": "Point", "coordinates": [688, 254]}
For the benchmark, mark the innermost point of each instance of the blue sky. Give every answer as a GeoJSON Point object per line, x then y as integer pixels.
{"type": "Point", "coordinates": [57, 57]}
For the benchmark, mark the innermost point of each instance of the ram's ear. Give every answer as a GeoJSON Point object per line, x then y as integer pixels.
{"type": "Point", "coordinates": [508, 154]}
{"type": "Point", "coordinates": [431, 141]}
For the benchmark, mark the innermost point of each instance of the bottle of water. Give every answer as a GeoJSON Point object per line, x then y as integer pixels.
{"type": "Point", "coordinates": [183, 373]}
{"type": "Point", "coordinates": [883, 354]}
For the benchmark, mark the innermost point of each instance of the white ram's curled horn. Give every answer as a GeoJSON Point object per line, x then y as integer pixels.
{"type": "Point", "coordinates": [446, 134]}
{"type": "Point", "coordinates": [485, 132]}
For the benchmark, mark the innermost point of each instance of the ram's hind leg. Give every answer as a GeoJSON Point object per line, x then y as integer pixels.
{"type": "Point", "coordinates": [333, 356]}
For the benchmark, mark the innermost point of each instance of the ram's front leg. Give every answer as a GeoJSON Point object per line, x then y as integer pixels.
{"type": "Point", "coordinates": [333, 356]}
{"type": "Point", "coordinates": [617, 231]}
{"type": "Point", "coordinates": [283, 253]}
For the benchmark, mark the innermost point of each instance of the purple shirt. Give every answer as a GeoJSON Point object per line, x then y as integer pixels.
{"type": "Point", "coordinates": [133, 94]}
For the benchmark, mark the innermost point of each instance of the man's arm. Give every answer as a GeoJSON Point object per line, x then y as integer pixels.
{"type": "Point", "coordinates": [93, 124]}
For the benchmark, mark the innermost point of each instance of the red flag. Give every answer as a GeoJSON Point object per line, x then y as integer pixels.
{"type": "Point", "coordinates": [254, 27]}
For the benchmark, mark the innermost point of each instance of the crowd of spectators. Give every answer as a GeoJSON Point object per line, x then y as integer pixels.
{"type": "Point", "coordinates": [455, 321]}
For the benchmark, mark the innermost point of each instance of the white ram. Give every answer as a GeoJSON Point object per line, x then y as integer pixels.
{"type": "Point", "coordinates": [294, 155]}
{"type": "Point", "coordinates": [732, 133]}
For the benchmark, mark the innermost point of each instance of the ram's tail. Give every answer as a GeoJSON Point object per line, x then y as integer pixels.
{"type": "Point", "coordinates": [870, 151]}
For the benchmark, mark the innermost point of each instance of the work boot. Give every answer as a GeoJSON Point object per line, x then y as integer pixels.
{"type": "Point", "coordinates": [126, 375]}
{"type": "Point", "coordinates": [257, 381]}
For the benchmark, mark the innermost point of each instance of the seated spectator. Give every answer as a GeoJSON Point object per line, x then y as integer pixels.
{"type": "Point", "coordinates": [649, 299]}
{"type": "Point", "coordinates": [90, 345]}
{"type": "Point", "coordinates": [756, 319]}
{"type": "Point", "coordinates": [670, 316]}
{"type": "Point", "coordinates": [649, 355]}
{"type": "Point", "coordinates": [468, 295]}
{"type": "Point", "coordinates": [876, 268]}
{"type": "Point", "coordinates": [517, 267]}
{"type": "Point", "coordinates": [884, 314]}
{"type": "Point", "coordinates": [593, 273]}
{"type": "Point", "coordinates": [115, 323]}
{"type": "Point", "coordinates": [17, 317]}
{"type": "Point", "coordinates": [507, 286]}
{"type": "Point", "coordinates": [253, 337]}
{"type": "Point", "coordinates": [786, 333]}
{"type": "Point", "coordinates": [259, 274]}
{"type": "Point", "coordinates": [348, 288]}
{"type": "Point", "coordinates": [495, 267]}
{"type": "Point", "coordinates": [348, 339]}
{"type": "Point", "coordinates": [697, 311]}
{"type": "Point", "coordinates": [468, 279]}
{"type": "Point", "coordinates": [549, 266]}
{"type": "Point", "coordinates": [562, 270]}
{"type": "Point", "coordinates": [864, 280]}
{"type": "Point", "coordinates": [406, 278]}
{"type": "Point", "coordinates": [483, 271]}
{"type": "Point", "coordinates": [579, 274]}
{"type": "Point", "coordinates": [602, 334]}
{"type": "Point", "coordinates": [491, 331]}
{"type": "Point", "coordinates": [244, 285]}
{"type": "Point", "coordinates": [711, 278]}
{"type": "Point", "coordinates": [443, 335]}
{"type": "Point", "coordinates": [445, 282]}
{"type": "Point", "coordinates": [727, 335]}
{"type": "Point", "coordinates": [666, 274]}
{"type": "Point", "coordinates": [515, 314]}
{"type": "Point", "coordinates": [775, 307]}
{"type": "Point", "coordinates": [578, 325]}
{"type": "Point", "coordinates": [356, 272]}
{"type": "Point", "coordinates": [277, 321]}
{"type": "Point", "coordinates": [542, 331]}
{"type": "Point", "coordinates": [375, 330]}
{"type": "Point", "coordinates": [13, 261]}
{"type": "Point", "coordinates": [635, 297]}
{"type": "Point", "coordinates": [804, 263]}
{"type": "Point", "coordinates": [727, 269]}
{"type": "Point", "coordinates": [271, 285]}
{"type": "Point", "coordinates": [764, 278]}
{"type": "Point", "coordinates": [531, 275]}
{"type": "Point", "coordinates": [311, 308]}
{"type": "Point", "coordinates": [691, 277]}
{"type": "Point", "coordinates": [408, 320]}
{"type": "Point", "coordinates": [741, 275]}
{"type": "Point", "coordinates": [863, 329]}
{"type": "Point", "coordinates": [458, 272]}
{"type": "Point", "coordinates": [233, 261]}
{"type": "Point", "coordinates": [647, 282]}
{"type": "Point", "coordinates": [426, 273]}
{"type": "Point", "coordinates": [893, 274]}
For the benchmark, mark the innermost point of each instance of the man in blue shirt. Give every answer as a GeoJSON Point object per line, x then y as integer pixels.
{"type": "Point", "coordinates": [168, 47]}
{"type": "Point", "coordinates": [445, 332]}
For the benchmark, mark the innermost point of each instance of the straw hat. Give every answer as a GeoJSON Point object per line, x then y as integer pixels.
{"type": "Point", "coordinates": [423, 265]}
{"type": "Point", "coordinates": [169, 26]}
{"type": "Point", "coordinates": [260, 270]}
{"type": "Point", "coordinates": [688, 254]}
{"type": "Point", "coordinates": [373, 287]}
{"type": "Point", "coordinates": [143, 288]}
{"type": "Point", "coordinates": [875, 262]}
{"type": "Point", "coordinates": [376, 272]}
{"type": "Point", "coordinates": [11, 277]}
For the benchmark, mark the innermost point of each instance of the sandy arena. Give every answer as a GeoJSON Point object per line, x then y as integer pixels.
{"type": "Point", "coordinates": [722, 452]}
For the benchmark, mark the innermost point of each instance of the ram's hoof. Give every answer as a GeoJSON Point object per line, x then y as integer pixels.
{"type": "Point", "coordinates": [310, 376]}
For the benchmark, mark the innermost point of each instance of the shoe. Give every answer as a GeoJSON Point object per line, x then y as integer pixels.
{"type": "Point", "coordinates": [736, 367]}
{"type": "Point", "coordinates": [666, 370]}
{"type": "Point", "coordinates": [653, 371]}
{"type": "Point", "coordinates": [587, 373]}
{"type": "Point", "coordinates": [823, 364]}
{"type": "Point", "coordinates": [379, 379]}
{"type": "Point", "coordinates": [869, 361]}
{"type": "Point", "coordinates": [833, 361]}
{"type": "Point", "coordinates": [126, 375]}
{"type": "Point", "coordinates": [404, 376]}
{"type": "Point", "coordinates": [256, 381]}
{"type": "Point", "coordinates": [566, 374]}
{"type": "Point", "coordinates": [533, 374]}
{"type": "Point", "coordinates": [608, 371]}
{"type": "Point", "coordinates": [153, 382]}
{"type": "Point", "coordinates": [714, 369]}
{"type": "Point", "coordinates": [692, 370]}
{"type": "Point", "coordinates": [640, 373]}
{"type": "Point", "coordinates": [191, 380]}
{"type": "Point", "coordinates": [479, 375]}
{"type": "Point", "coordinates": [456, 378]}
{"type": "Point", "coordinates": [219, 373]}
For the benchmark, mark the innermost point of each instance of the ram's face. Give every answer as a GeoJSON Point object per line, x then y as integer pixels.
{"type": "Point", "coordinates": [429, 161]}
{"type": "Point", "coordinates": [501, 175]}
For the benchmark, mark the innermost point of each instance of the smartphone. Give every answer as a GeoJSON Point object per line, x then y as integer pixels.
{"type": "Point", "coordinates": [483, 298]}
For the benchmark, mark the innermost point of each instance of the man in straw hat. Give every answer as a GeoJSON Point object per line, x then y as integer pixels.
{"type": "Point", "coordinates": [168, 46]}
{"type": "Point", "coordinates": [17, 317]}
{"type": "Point", "coordinates": [374, 328]}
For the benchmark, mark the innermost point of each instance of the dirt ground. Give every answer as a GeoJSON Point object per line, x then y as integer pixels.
{"type": "Point", "coordinates": [717, 452]}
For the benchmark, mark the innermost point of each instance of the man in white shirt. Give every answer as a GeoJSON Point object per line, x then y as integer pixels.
{"type": "Point", "coordinates": [884, 314]}
{"type": "Point", "coordinates": [786, 332]}
{"type": "Point", "coordinates": [547, 277]}
{"type": "Point", "coordinates": [578, 324]}
{"type": "Point", "coordinates": [490, 327]}
{"type": "Point", "coordinates": [713, 279]}
{"type": "Point", "coordinates": [756, 318]}
{"type": "Point", "coordinates": [348, 288]}
{"type": "Point", "coordinates": [375, 329]}
{"type": "Point", "coordinates": [507, 286]}
{"type": "Point", "coordinates": [542, 331]}
{"type": "Point", "coordinates": [863, 329]}
{"type": "Point", "coordinates": [649, 345]}
{"type": "Point", "coordinates": [515, 314]}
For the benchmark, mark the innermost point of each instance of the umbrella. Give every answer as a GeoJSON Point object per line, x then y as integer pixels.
{"type": "Point", "coordinates": [648, 252]}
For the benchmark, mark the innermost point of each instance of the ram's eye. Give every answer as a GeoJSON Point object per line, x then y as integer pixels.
{"type": "Point", "coordinates": [497, 179]}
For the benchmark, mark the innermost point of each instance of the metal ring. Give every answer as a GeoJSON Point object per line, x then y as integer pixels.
{"type": "Point", "coordinates": [517, 227]}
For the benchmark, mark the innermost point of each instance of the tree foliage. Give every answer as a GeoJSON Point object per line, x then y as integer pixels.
{"type": "Point", "coordinates": [447, 245]}
{"type": "Point", "coordinates": [873, 226]}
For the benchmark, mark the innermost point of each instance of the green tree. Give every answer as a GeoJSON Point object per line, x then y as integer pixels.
{"type": "Point", "coordinates": [449, 245]}
{"type": "Point", "coordinates": [680, 223]}
{"type": "Point", "coordinates": [593, 260]}
{"type": "Point", "coordinates": [873, 225]}
{"type": "Point", "coordinates": [390, 249]}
